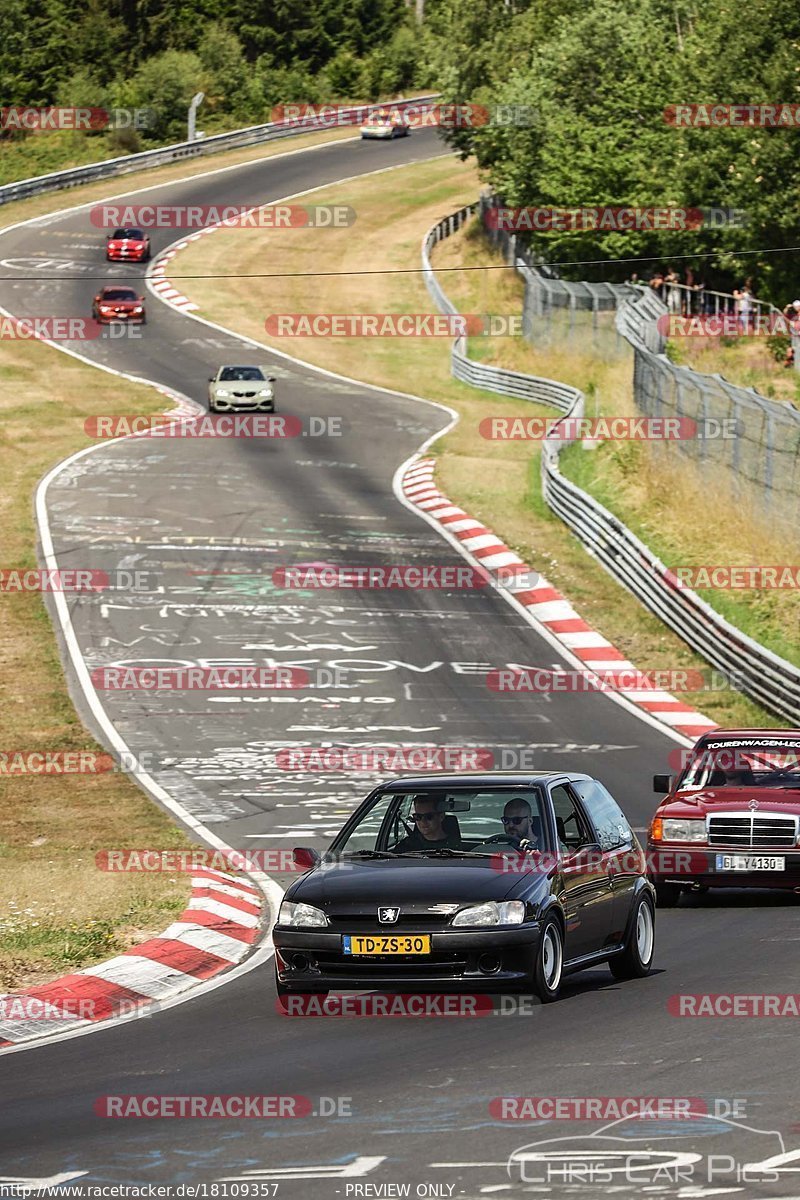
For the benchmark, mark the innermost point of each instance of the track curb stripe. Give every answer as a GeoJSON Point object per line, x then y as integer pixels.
{"type": "Point", "coordinates": [544, 602]}
{"type": "Point", "coordinates": [227, 918]}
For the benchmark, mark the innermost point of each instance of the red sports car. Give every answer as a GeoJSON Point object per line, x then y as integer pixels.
{"type": "Point", "coordinates": [118, 304]}
{"type": "Point", "coordinates": [730, 818]}
{"type": "Point", "coordinates": [128, 245]}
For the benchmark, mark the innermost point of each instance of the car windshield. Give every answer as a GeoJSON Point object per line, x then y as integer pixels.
{"type": "Point", "coordinates": [240, 374]}
{"type": "Point", "coordinates": [745, 763]}
{"type": "Point", "coordinates": [119, 294]}
{"type": "Point", "coordinates": [132, 234]}
{"type": "Point", "coordinates": [450, 824]}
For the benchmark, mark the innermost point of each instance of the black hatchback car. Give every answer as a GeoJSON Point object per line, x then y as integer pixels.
{"type": "Point", "coordinates": [499, 883]}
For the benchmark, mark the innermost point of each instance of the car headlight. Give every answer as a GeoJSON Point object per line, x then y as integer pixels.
{"type": "Point", "coordinates": [676, 829]}
{"type": "Point", "coordinates": [507, 912]}
{"type": "Point", "coordinates": [222, 392]}
{"type": "Point", "coordinates": [301, 915]}
{"type": "Point", "coordinates": [138, 309]}
{"type": "Point", "coordinates": [265, 392]}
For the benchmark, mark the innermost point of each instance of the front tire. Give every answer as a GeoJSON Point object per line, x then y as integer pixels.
{"type": "Point", "coordinates": [636, 960]}
{"type": "Point", "coordinates": [548, 971]}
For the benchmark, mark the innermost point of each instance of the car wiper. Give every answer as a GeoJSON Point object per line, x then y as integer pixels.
{"type": "Point", "coordinates": [369, 854]}
{"type": "Point", "coordinates": [443, 852]}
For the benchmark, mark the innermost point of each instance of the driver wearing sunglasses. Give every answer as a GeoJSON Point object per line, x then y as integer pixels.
{"type": "Point", "coordinates": [429, 832]}
{"type": "Point", "coordinates": [518, 823]}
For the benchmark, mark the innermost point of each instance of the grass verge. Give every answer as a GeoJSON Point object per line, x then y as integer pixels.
{"type": "Point", "coordinates": [57, 910]}
{"type": "Point", "coordinates": [745, 361]}
{"type": "Point", "coordinates": [498, 482]}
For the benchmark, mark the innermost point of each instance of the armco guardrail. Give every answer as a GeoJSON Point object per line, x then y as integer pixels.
{"type": "Point", "coordinates": [234, 140]}
{"type": "Point", "coordinates": [566, 399]}
{"type": "Point", "coordinates": [751, 668]}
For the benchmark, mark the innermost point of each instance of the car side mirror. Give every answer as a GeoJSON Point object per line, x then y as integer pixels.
{"type": "Point", "coordinates": [662, 784]}
{"type": "Point", "coordinates": [270, 379]}
{"type": "Point", "coordinates": [306, 857]}
{"type": "Point", "coordinates": [211, 378]}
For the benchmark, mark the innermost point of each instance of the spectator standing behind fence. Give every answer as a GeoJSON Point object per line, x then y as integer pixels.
{"type": "Point", "coordinates": [657, 284]}
{"type": "Point", "coordinates": [687, 297]}
{"type": "Point", "coordinates": [743, 298]}
{"type": "Point", "coordinates": [672, 281]}
{"type": "Point", "coordinates": [791, 314]}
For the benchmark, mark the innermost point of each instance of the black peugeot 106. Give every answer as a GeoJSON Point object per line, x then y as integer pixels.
{"type": "Point", "coordinates": [499, 883]}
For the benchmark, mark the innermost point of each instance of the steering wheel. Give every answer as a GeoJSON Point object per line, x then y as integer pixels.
{"type": "Point", "coordinates": [499, 839]}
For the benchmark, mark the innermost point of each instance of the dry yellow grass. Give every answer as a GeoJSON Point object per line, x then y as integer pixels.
{"type": "Point", "coordinates": [745, 361]}
{"type": "Point", "coordinates": [496, 481]}
{"type": "Point", "coordinates": [57, 910]}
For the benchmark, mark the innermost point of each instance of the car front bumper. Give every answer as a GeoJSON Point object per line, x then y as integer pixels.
{"type": "Point", "coordinates": [242, 403]}
{"type": "Point", "coordinates": [697, 865]}
{"type": "Point", "coordinates": [452, 965]}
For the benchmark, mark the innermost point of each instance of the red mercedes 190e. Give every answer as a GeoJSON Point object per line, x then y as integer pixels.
{"type": "Point", "coordinates": [730, 818]}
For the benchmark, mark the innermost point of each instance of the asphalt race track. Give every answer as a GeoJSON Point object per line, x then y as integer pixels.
{"type": "Point", "coordinates": [410, 1097]}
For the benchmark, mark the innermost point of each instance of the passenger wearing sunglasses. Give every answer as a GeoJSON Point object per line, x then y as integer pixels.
{"type": "Point", "coordinates": [429, 830]}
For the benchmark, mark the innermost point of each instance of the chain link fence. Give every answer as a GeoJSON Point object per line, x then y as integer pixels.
{"type": "Point", "coordinates": [754, 439]}
{"type": "Point", "coordinates": [756, 671]}
{"type": "Point", "coordinates": [558, 313]}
